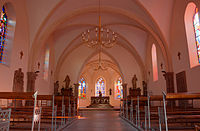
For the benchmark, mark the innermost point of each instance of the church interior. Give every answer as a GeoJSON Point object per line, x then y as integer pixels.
{"type": "Point", "coordinates": [127, 65]}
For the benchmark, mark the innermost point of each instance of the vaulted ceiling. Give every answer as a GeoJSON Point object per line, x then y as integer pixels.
{"type": "Point", "coordinates": [133, 20]}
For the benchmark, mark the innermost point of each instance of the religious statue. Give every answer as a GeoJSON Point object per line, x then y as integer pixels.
{"type": "Point", "coordinates": [38, 65]}
{"type": "Point", "coordinates": [100, 94]}
{"type": "Point", "coordinates": [134, 82]}
{"type": "Point", "coordinates": [67, 81]}
{"type": "Point", "coordinates": [62, 90]}
{"type": "Point", "coordinates": [76, 85]}
{"type": "Point", "coordinates": [21, 54]}
{"type": "Point", "coordinates": [56, 86]}
{"type": "Point", "coordinates": [31, 77]}
{"type": "Point", "coordinates": [18, 82]}
{"type": "Point", "coordinates": [144, 88]}
{"type": "Point", "coordinates": [110, 91]}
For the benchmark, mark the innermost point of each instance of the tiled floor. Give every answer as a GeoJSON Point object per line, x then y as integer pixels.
{"type": "Point", "coordinates": [100, 121]}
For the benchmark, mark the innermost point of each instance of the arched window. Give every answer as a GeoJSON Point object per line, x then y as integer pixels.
{"type": "Point", "coordinates": [100, 86]}
{"type": "Point", "coordinates": [3, 30]}
{"type": "Point", "coordinates": [118, 88]}
{"type": "Point", "coordinates": [7, 32]}
{"type": "Point", "coordinates": [192, 27]}
{"type": "Point", "coordinates": [154, 63]}
{"type": "Point", "coordinates": [82, 88]}
{"type": "Point", "coordinates": [196, 23]}
{"type": "Point", "coordinates": [46, 64]}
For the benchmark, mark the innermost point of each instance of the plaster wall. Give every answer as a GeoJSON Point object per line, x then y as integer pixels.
{"type": "Point", "coordinates": [127, 64]}
{"type": "Point", "coordinates": [20, 43]}
{"type": "Point", "coordinates": [161, 12]}
{"type": "Point", "coordinates": [38, 11]}
{"type": "Point", "coordinates": [72, 64]}
{"type": "Point", "coordinates": [91, 76]}
{"type": "Point", "coordinates": [46, 86]}
{"type": "Point", "coordinates": [155, 87]}
{"type": "Point", "coordinates": [179, 43]}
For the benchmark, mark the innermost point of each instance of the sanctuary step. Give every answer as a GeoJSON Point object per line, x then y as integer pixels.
{"type": "Point", "coordinates": [99, 109]}
{"type": "Point", "coordinates": [100, 106]}
{"type": "Point", "coordinates": [100, 102]}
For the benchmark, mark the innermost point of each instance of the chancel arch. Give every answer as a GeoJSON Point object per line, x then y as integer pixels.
{"type": "Point", "coordinates": [154, 50]}
{"type": "Point", "coordinates": [109, 73]}
{"type": "Point", "coordinates": [52, 28]}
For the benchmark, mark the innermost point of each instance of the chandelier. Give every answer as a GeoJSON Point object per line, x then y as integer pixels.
{"type": "Point", "coordinates": [100, 66]}
{"type": "Point", "coordinates": [95, 37]}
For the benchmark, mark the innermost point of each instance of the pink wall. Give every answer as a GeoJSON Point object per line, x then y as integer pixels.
{"type": "Point", "coordinates": [155, 87]}
{"type": "Point", "coordinates": [179, 43]}
{"type": "Point", "coordinates": [161, 11]}
{"type": "Point", "coordinates": [20, 43]}
{"type": "Point", "coordinates": [46, 86]}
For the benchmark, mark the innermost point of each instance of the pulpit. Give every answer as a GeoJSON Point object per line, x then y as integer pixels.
{"type": "Point", "coordinates": [100, 102]}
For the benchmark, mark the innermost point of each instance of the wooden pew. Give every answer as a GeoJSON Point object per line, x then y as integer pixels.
{"type": "Point", "coordinates": [22, 115]}
{"type": "Point", "coordinates": [178, 119]}
{"type": "Point", "coordinates": [187, 117]}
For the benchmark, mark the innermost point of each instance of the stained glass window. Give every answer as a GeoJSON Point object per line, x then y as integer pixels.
{"type": "Point", "coordinates": [118, 88]}
{"type": "Point", "coordinates": [3, 28]}
{"type": "Point", "coordinates": [196, 23]}
{"type": "Point", "coordinates": [46, 64]}
{"type": "Point", "coordinates": [154, 63]}
{"type": "Point", "coordinates": [100, 86]}
{"type": "Point", "coordinates": [82, 88]}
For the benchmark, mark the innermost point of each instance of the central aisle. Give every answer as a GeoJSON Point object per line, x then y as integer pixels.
{"type": "Point", "coordinates": [100, 121]}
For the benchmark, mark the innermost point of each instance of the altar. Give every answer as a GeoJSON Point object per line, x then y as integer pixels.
{"type": "Point", "coordinates": [100, 102]}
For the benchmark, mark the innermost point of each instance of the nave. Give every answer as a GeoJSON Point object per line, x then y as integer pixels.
{"type": "Point", "coordinates": [58, 56]}
{"type": "Point", "coordinates": [100, 121]}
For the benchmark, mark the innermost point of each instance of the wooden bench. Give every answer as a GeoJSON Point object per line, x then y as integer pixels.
{"type": "Point", "coordinates": [178, 118]}
{"type": "Point", "coordinates": [21, 116]}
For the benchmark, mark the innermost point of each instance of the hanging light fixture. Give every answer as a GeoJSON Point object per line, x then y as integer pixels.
{"type": "Point", "coordinates": [95, 37]}
{"type": "Point", "coordinates": [100, 66]}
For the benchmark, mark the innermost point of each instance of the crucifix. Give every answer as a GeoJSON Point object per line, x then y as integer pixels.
{"type": "Point", "coordinates": [21, 54]}
{"type": "Point", "coordinates": [161, 65]}
{"type": "Point", "coordinates": [110, 91]}
{"type": "Point", "coordinates": [179, 55]}
{"type": "Point", "coordinates": [38, 65]}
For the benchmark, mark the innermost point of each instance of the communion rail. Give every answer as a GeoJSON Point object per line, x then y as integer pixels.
{"type": "Point", "coordinates": [30, 111]}
{"type": "Point", "coordinates": [173, 111]}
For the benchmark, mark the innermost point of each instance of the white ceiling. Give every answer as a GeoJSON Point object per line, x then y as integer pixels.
{"type": "Point", "coordinates": [65, 20]}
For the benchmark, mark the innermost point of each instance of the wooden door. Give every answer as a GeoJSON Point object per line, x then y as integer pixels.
{"type": "Point", "coordinates": [181, 87]}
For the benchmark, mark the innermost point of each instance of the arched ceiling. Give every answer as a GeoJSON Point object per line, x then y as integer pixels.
{"type": "Point", "coordinates": [65, 20]}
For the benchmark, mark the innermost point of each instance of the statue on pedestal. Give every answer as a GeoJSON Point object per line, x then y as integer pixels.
{"type": "Point", "coordinates": [18, 82]}
{"type": "Point", "coordinates": [124, 85]}
{"type": "Point", "coordinates": [67, 89]}
{"type": "Point", "coordinates": [67, 81]}
{"type": "Point", "coordinates": [31, 77]}
{"type": "Point", "coordinates": [110, 91]}
{"type": "Point", "coordinates": [76, 85]}
{"type": "Point", "coordinates": [144, 88]}
{"type": "Point", "coordinates": [134, 82]}
{"type": "Point", "coordinates": [56, 87]}
{"type": "Point", "coordinates": [100, 94]}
